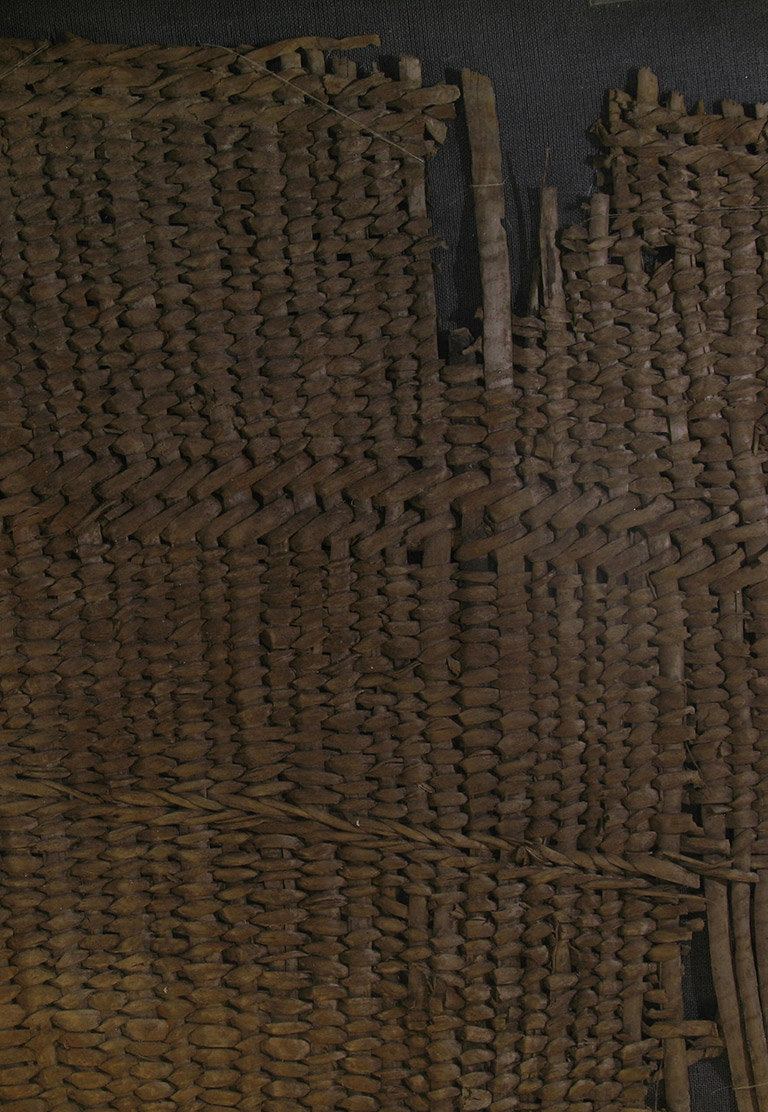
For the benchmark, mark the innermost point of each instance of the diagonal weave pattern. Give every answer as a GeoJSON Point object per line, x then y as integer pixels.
{"type": "Point", "coordinates": [368, 719]}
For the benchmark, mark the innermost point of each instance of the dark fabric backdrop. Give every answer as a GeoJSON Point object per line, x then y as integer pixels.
{"type": "Point", "coordinates": [551, 62]}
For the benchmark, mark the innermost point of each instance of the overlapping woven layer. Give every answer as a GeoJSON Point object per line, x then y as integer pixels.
{"type": "Point", "coordinates": [368, 719]}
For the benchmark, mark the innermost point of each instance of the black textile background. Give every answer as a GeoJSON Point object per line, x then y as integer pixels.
{"type": "Point", "coordinates": [551, 62]}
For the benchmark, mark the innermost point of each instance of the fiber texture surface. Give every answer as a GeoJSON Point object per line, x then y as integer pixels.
{"type": "Point", "coordinates": [371, 718]}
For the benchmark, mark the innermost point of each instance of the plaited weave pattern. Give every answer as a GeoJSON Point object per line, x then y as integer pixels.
{"type": "Point", "coordinates": [370, 718]}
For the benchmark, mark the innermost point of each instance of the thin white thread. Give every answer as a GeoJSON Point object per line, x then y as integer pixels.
{"type": "Point", "coordinates": [24, 60]}
{"type": "Point", "coordinates": [314, 99]}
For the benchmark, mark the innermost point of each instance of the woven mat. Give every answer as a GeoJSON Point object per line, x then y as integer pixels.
{"type": "Point", "coordinates": [378, 726]}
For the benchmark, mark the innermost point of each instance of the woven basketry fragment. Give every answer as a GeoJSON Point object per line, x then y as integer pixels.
{"type": "Point", "coordinates": [377, 729]}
